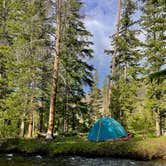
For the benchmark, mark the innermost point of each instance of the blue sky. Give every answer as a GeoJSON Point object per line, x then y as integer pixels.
{"type": "Point", "coordinates": [100, 20]}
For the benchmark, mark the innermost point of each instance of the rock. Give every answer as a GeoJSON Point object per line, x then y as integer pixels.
{"type": "Point", "coordinates": [9, 159]}
{"type": "Point", "coordinates": [55, 134]}
{"type": "Point", "coordinates": [9, 155]}
{"type": "Point", "coordinates": [132, 162]}
{"type": "Point", "coordinates": [39, 157]}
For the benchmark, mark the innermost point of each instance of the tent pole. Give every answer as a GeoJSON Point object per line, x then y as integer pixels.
{"type": "Point", "coordinates": [98, 134]}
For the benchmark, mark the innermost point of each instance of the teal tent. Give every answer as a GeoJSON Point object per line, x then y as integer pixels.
{"type": "Point", "coordinates": [106, 128]}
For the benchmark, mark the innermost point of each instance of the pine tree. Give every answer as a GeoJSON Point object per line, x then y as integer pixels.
{"type": "Point", "coordinates": [105, 95]}
{"type": "Point", "coordinates": [55, 72]}
{"type": "Point", "coordinates": [96, 99]}
{"type": "Point", "coordinates": [24, 65]}
{"type": "Point", "coordinates": [74, 52]}
{"type": "Point", "coordinates": [9, 28]}
{"type": "Point", "coordinates": [74, 49]}
{"type": "Point", "coordinates": [153, 21]}
{"type": "Point", "coordinates": [8, 31]}
{"type": "Point", "coordinates": [126, 63]}
{"type": "Point", "coordinates": [113, 64]}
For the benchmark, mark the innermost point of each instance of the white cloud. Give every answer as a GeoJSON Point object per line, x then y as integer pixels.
{"type": "Point", "coordinates": [100, 20]}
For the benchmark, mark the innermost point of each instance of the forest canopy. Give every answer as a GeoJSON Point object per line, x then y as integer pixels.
{"type": "Point", "coordinates": [45, 50]}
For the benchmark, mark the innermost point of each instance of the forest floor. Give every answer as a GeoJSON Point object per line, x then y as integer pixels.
{"type": "Point", "coordinates": [138, 149]}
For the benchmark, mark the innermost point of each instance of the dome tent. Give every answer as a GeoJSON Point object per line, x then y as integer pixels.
{"type": "Point", "coordinates": [106, 128]}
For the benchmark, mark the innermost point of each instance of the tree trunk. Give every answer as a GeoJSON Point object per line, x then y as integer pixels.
{"type": "Point", "coordinates": [125, 72]}
{"type": "Point", "coordinates": [41, 120]}
{"type": "Point", "coordinates": [55, 74]}
{"type": "Point", "coordinates": [109, 101]}
{"type": "Point", "coordinates": [158, 124]}
{"type": "Point", "coordinates": [30, 128]}
{"type": "Point", "coordinates": [22, 127]}
{"type": "Point", "coordinates": [65, 126]}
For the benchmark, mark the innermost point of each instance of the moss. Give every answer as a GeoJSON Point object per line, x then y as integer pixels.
{"type": "Point", "coordinates": [32, 146]}
{"type": "Point", "coordinates": [135, 149]}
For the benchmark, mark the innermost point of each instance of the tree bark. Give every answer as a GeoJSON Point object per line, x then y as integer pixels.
{"type": "Point", "coordinates": [158, 124]}
{"type": "Point", "coordinates": [109, 101]}
{"type": "Point", "coordinates": [30, 128]}
{"type": "Point", "coordinates": [125, 72]}
{"type": "Point", "coordinates": [65, 126]}
{"type": "Point", "coordinates": [31, 109]}
{"type": "Point", "coordinates": [55, 74]}
{"type": "Point", "coordinates": [22, 127]}
{"type": "Point", "coordinates": [41, 120]}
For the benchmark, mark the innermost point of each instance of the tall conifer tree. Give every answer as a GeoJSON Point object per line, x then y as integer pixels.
{"type": "Point", "coordinates": [153, 22]}
{"type": "Point", "coordinates": [126, 61]}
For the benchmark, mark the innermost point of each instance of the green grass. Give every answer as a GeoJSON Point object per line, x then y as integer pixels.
{"type": "Point", "coordinates": [150, 148]}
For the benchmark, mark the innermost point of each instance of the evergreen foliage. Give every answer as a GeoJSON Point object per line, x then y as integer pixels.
{"type": "Point", "coordinates": [27, 49]}
{"type": "Point", "coordinates": [138, 104]}
{"type": "Point", "coordinates": [74, 70]}
{"type": "Point", "coordinates": [127, 64]}
{"type": "Point", "coordinates": [153, 21]}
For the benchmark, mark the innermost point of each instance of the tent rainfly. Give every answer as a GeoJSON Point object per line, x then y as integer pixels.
{"type": "Point", "coordinates": [106, 128]}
